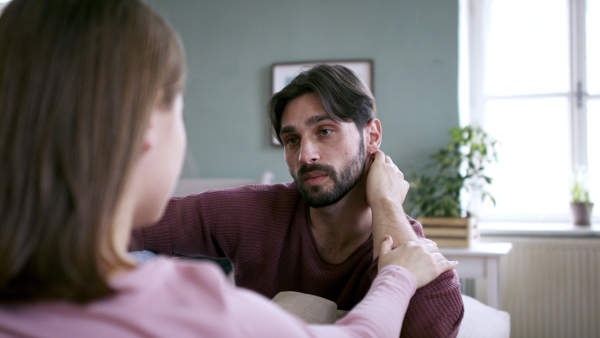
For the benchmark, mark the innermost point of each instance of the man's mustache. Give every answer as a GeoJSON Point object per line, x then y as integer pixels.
{"type": "Point", "coordinates": [305, 169]}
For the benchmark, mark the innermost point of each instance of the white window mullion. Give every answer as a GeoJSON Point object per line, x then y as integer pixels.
{"type": "Point", "coordinates": [478, 16]}
{"type": "Point", "coordinates": [578, 128]}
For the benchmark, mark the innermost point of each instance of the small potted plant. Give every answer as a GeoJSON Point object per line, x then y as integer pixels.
{"type": "Point", "coordinates": [581, 205]}
{"type": "Point", "coordinates": [440, 192]}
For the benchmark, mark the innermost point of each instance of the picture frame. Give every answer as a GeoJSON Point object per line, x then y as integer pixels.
{"type": "Point", "coordinates": [283, 73]}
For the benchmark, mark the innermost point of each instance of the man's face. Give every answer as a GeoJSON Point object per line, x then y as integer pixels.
{"type": "Point", "coordinates": [326, 158]}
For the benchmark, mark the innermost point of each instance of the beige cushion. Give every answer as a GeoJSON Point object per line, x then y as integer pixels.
{"type": "Point", "coordinates": [312, 309]}
{"type": "Point", "coordinates": [482, 321]}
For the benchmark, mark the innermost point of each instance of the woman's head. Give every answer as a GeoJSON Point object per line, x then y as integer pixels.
{"type": "Point", "coordinates": [79, 81]}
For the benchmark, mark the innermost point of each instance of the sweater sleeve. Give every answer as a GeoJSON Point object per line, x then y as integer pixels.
{"type": "Point", "coordinates": [181, 231]}
{"type": "Point", "coordinates": [437, 309]}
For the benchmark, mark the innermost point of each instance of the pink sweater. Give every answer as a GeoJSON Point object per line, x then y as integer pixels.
{"type": "Point", "coordinates": [265, 231]}
{"type": "Point", "coordinates": [165, 298]}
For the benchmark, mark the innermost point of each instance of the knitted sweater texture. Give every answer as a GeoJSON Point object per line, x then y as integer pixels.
{"type": "Point", "coordinates": [264, 230]}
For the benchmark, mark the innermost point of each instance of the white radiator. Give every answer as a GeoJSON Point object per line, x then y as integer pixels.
{"type": "Point", "coordinates": [551, 287]}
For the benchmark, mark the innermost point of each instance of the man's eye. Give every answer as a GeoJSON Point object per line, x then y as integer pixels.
{"type": "Point", "coordinates": [325, 132]}
{"type": "Point", "coordinates": [291, 140]}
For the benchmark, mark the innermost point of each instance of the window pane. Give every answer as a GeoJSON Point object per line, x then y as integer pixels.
{"type": "Point", "coordinates": [593, 47]}
{"type": "Point", "coordinates": [531, 179]}
{"type": "Point", "coordinates": [594, 151]}
{"type": "Point", "coordinates": [527, 49]}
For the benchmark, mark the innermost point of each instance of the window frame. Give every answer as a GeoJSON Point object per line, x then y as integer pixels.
{"type": "Point", "coordinates": [472, 99]}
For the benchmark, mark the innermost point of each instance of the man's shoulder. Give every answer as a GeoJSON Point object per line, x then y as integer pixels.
{"type": "Point", "coordinates": [276, 188]}
{"type": "Point", "coordinates": [256, 195]}
{"type": "Point", "coordinates": [269, 190]}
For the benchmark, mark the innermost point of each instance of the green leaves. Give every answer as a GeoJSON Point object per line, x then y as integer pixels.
{"type": "Point", "coordinates": [457, 167]}
{"type": "Point", "coordinates": [579, 187]}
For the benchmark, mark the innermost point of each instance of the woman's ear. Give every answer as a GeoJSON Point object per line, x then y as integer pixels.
{"type": "Point", "coordinates": [373, 133]}
{"type": "Point", "coordinates": [150, 134]}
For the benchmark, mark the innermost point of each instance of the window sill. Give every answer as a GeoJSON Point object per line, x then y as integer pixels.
{"type": "Point", "coordinates": [531, 229]}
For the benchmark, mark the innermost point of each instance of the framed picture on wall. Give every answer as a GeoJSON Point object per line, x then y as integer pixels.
{"type": "Point", "coordinates": [283, 73]}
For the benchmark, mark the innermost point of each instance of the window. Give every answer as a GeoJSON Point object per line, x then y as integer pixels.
{"type": "Point", "coordinates": [530, 75]}
{"type": "Point", "coordinates": [2, 4]}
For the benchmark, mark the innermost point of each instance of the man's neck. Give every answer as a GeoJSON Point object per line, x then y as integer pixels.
{"type": "Point", "coordinates": [341, 228]}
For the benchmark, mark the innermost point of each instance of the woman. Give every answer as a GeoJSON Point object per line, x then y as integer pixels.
{"type": "Point", "coordinates": [91, 144]}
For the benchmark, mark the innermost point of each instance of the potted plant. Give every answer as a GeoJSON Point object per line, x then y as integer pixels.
{"type": "Point", "coordinates": [441, 191]}
{"type": "Point", "coordinates": [581, 205]}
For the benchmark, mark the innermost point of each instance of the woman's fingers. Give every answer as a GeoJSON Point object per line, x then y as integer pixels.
{"type": "Point", "coordinates": [438, 257]}
{"type": "Point", "coordinates": [446, 265]}
{"type": "Point", "coordinates": [421, 257]}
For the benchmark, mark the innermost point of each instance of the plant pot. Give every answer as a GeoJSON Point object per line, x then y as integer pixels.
{"type": "Point", "coordinates": [457, 232]}
{"type": "Point", "coordinates": [582, 212]}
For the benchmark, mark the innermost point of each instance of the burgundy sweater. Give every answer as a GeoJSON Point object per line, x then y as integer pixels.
{"type": "Point", "coordinates": [264, 231]}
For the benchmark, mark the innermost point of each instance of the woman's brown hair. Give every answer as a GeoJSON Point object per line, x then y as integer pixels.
{"type": "Point", "coordinates": [78, 80]}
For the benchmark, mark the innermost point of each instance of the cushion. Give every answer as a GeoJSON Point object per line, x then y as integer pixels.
{"type": "Point", "coordinates": [482, 321]}
{"type": "Point", "coordinates": [312, 309]}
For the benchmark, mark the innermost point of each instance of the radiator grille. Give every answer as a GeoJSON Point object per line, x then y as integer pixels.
{"type": "Point", "coordinates": [551, 287]}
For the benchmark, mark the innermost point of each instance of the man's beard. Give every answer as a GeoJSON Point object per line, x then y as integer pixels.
{"type": "Point", "coordinates": [343, 182]}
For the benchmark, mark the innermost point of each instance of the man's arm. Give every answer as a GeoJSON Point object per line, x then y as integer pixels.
{"type": "Point", "coordinates": [436, 310]}
{"type": "Point", "coordinates": [181, 231]}
{"type": "Point", "coordinates": [386, 190]}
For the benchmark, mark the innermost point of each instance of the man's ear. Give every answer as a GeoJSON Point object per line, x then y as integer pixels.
{"type": "Point", "coordinates": [374, 134]}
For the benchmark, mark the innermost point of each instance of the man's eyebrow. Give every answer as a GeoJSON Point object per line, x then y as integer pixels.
{"type": "Point", "coordinates": [311, 121]}
{"type": "Point", "coordinates": [287, 129]}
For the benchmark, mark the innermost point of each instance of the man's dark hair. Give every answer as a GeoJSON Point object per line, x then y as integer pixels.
{"type": "Point", "coordinates": [343, 96]}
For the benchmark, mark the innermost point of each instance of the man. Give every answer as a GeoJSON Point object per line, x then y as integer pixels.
{"type": "Point", "coordinates": [315, 235]}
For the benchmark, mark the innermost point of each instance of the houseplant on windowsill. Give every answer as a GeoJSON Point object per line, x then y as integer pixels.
{"type": "Point", "coordinates": [440, 193]}
{"type": "Point", "coordinates": [581, 205]}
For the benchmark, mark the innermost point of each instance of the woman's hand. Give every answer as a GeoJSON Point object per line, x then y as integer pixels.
{"type": "Point", "coordinates": [421, 257]}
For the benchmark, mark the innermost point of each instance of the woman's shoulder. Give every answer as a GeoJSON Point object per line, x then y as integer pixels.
{"type": "Point", "coordinates": [174, 297]}
{"type": "Point", "coordinates": [196, 295]}
{"type": "Point", "coordinates": [162, 297]}
{"type": "Point", "coordinates": [165, 272]}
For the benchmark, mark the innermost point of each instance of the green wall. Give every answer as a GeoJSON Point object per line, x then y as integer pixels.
{"type": "Point", "coordinates": [231, 44]}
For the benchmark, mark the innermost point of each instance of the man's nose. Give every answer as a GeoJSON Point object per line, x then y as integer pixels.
{"type": "Point", "coordinates": [309, 151]}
